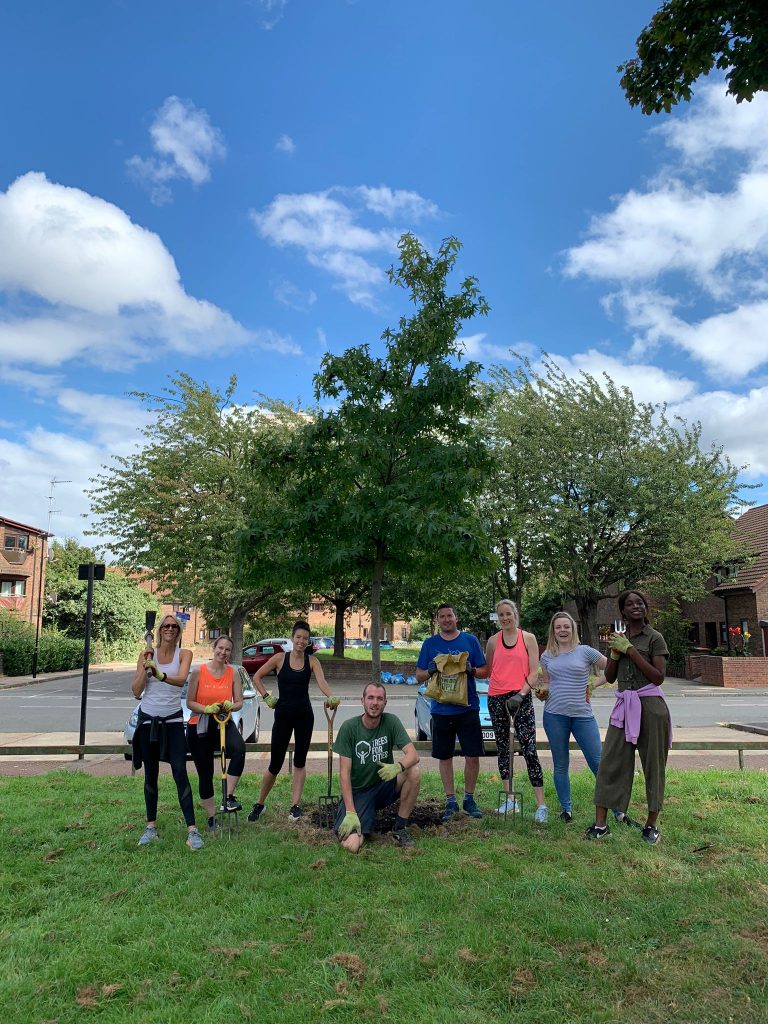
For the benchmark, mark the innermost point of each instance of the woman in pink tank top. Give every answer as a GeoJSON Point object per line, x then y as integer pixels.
{"type": "Point", "coordinates": [513, 656]}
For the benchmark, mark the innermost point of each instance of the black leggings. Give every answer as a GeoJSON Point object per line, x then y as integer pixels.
{"type": "Point", "coordinates": [176, 750]}
{"type": "Point", "coordinates": [301, 724]}
{"type": "Point", "coordinates": [525, 730]}
{"type": "Point", "coordinates": [203, 749]}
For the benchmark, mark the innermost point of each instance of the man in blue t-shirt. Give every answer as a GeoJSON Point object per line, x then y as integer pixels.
{"type": "Point", "coordinates": [454, 721]}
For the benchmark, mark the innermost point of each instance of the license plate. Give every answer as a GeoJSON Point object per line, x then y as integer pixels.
{"type": "Point", "coordinates": [488, 734]}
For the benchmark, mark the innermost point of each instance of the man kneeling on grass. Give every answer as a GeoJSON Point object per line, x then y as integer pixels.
{"type": "Point", "coordinates": [368, 774]}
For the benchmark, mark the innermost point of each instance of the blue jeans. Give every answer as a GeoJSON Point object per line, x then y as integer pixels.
{"type": "Point", "coordinates": [586, 733]}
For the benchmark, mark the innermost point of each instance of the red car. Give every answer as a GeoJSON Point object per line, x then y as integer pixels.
{"type": "Point", "coordinates": [256, 655]}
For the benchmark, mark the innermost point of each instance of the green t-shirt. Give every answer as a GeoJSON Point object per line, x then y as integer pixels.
{"type": "Point", "coordinates": [367, 746]}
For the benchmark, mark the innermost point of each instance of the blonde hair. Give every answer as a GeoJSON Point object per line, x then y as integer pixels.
{"type": "Point", "coordinates": [162, 622]}
{"type": "Point", "coordinates": [509, 604]}
{"type": "Point", "coordinates": [552, 644]}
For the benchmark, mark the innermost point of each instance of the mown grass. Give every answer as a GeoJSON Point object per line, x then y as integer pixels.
{"type": "Point", "coordinates": [482, 923]}
{"type": "Point", "coordinates": [408, 654]}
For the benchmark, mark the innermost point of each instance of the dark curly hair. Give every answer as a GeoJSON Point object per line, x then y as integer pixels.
{"type": "Point", "coordinates": [623, 600]}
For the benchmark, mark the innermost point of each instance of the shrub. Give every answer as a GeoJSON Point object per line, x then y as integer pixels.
{"type": "Point", "coordinates": [56, 652]}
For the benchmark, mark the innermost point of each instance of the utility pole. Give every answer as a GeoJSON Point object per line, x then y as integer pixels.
{"type": "Point", "coordinates": [51, 512]}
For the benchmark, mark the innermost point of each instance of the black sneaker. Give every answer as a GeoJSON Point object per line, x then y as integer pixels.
{"type": "Point", "coordinates": [566, 816]}
{"type": "Point", "coordinates": [233, 804]}
{"type": "Point", "coordinates": [597, 832]}
{"type": "Point", "coordinates": [295, 812]}
{"type": "Point", "coordinates": [402, 837]}
{"type": "Point", "coordinates": [651, 835]}
{"type": "Point", "coordinates": [256, 812]}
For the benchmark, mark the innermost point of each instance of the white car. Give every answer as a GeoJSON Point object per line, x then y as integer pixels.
{"type": "Point", "coordinates": [282, 641]}
{"type": "Point", "coordinates": [247, 720]}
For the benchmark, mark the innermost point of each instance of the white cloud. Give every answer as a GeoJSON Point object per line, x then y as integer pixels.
{"type": "Point", "coordinates": [90, 284]}
{"type": "Point", "coordinates": [690, 251]}
{"type": "Point", "coordinates": [290, 295]}
{"type": "Point", "coordinates": [95, 427]}
{"type": "Point", "coordinates": [647, 383]}
{"type": "Point", "coordinates": [273, 12]}
{"type": "Point", "coordinates": [734, 421]}
{"type": "Point", "coordinates": [328, 227]}
{"type": "Point", "coordinates": [392, 203]}
{"type": "Point", "coordinates": [186, 143]}
{"type": "Point", "coordinates": [285, 144]}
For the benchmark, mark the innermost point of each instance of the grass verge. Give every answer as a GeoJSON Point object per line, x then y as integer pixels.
{"type": "Point", "coordinates": [400, 654]}
{"type": "Point", "coordinates": [482, 923]}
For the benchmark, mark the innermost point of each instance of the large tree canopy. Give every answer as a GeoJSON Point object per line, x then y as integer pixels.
{"type": "Point", "coordinates": [688, 38]}
{"type": "Point", "coordinates": [179, 503]}
{"type": "Point", "coordinates": [612, 492]}
{"type": "Point", "coordinates": [397, 433]}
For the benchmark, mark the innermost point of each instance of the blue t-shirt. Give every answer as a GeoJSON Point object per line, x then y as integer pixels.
{"type": "Point", "coordinates": [568, 677]}
{"type": "Point", "coordinates": [435, 645]}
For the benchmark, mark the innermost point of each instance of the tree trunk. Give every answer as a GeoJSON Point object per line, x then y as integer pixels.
{"type": "Point", "coordinates": [338, 628]}
{"type": "Point", "coordinates": [378, 576]}
{"type": "Point", "coordinates": [587, 609]}
{"type": "Point", "coordinates": [236, 626]}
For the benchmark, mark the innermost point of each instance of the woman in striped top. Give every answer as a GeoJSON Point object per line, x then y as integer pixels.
{"type": "Point", "coordinates": [566, 666]}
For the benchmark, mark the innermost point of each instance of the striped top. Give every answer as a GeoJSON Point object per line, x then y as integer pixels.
{"type": "Point", "coordinates": [568, 677]}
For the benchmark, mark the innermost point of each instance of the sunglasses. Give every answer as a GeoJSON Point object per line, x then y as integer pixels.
{"type": "Point", "coordinates": [169, 625]}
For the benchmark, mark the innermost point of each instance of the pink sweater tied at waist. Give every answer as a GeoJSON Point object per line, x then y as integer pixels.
{"type": "Point", "coordinates": [628, 710]}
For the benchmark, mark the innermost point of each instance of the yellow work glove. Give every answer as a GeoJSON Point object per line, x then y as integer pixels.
{"type": "Point", "coordinates": [227, 705]}
{"type": "Point", "coordinates": [349, 823]}
{"type": "Point", "coordinates": [212, 709]}
{"type": "Point", "coordinates": [332, 701]}
{"type": "Point", "coordinates": [387, 771]}
{"type": "Point", "coordinates": [151, 666]}
{"type": "Point", "coordinates": [619, 644]}
{"type": "Point", "coordinates": [270, 701]}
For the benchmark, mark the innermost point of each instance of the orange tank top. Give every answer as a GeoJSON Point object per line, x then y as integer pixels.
{"type": "Point", "coordinates": [510, 666]}
{"type": "Point", "coordinates": [211, 690]}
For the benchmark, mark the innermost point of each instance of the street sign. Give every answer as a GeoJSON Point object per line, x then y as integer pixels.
{"type": "Point", "coordinates": [184, 616]}
{"type": "Point", "coordinates": [494, 616]}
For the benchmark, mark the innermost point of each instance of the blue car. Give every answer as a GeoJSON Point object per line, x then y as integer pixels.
{"type": "Point", "coordinates": [423, 715]}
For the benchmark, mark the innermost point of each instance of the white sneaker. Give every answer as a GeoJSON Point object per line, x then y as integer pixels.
{"type": "Point", "coordinates": [541, 817]}
{"type": "Point", "coordinates": [509, 806]}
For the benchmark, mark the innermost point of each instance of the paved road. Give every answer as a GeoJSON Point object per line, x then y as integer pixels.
{"type": "Point", "coordinates": [54, 706]}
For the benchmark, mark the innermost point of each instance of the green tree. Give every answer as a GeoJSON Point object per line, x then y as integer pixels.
{"type": "Point", "coordinates": [399, 435]}
{"type": "Point", "coordinates": [615, 493]}
{"type": "Point", "coordinates": [180, 502]}
{"type": "Point", "coordinates": [119, 603]}
{"type": "Point", "coordinates": [686, 39]}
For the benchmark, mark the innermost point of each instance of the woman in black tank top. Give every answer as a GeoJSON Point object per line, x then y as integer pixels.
{"type": "Point", "coordinates": [293, 714]}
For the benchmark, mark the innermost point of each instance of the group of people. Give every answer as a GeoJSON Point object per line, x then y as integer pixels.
{"type": "Point", "coordinates": [370, 779]}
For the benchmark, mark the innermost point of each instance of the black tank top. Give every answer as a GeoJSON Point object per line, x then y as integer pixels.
{"type": "Point", "coordinates": [293, 686]}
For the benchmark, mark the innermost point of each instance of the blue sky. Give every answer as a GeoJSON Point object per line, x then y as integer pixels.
{"type": "Point", "coordinates": [217, 187]}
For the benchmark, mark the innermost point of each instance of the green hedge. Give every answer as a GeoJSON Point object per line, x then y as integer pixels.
{"type": "Point", "coordinates": [57, 652]}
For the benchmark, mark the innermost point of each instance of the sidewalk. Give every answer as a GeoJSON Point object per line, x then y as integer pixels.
{"type": "Point", "coordinates": [11, 682]}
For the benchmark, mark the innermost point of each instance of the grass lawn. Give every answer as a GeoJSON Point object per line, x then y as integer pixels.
{"type": "Point", "coordinates": [387, 654]}
{"type": "Point", "coordinates": [482, 923]}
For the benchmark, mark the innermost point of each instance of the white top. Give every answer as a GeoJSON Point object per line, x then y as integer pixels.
{"type": "Point", "coordinates": [161, 698]}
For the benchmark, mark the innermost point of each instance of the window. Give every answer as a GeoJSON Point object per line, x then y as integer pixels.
{"type": "Point", "coordinates": [403, 632]}
{"type": "Point", "coordinates": [723, 635]}
{"type": "Point", "coordinates": [316, 606]}
{"type": "Point", "coordinates": [201, 635]}
{"type": "Point", "coordinates": [213, 634]}
{"type": "Point", "coordinates": [13, 588]}
{"type": "Point", "coordinates": [16, 541]}
{"type": "Point", "coordinates": [694, 634]}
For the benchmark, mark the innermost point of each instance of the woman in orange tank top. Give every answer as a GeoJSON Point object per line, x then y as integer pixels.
{"type": "Point", "coordinates": [513, 656]}
{"type": "Point", "coordinates": [215, 686]}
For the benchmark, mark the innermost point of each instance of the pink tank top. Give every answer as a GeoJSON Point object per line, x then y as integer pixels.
{"type": "Point", "coordinates": [510, 666]}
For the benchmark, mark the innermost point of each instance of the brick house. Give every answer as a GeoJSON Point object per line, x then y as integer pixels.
{"type": "Point", "coordinates": [23, 554]}
{"type": "Point", "coordinates": [738, 594]}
